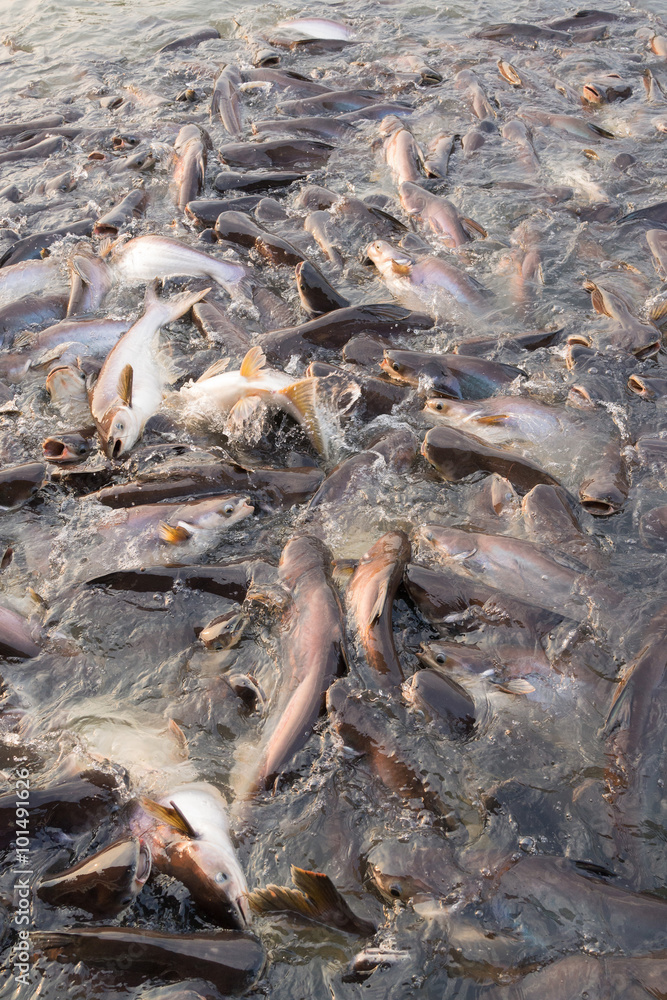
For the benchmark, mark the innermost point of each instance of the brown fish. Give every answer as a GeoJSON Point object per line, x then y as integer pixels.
{"type": "Point", "coordinates": [370, 597]}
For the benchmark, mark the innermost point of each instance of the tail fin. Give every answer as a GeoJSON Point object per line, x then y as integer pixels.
{"type": "Point", "coordinates": [174, 307]}
{"type": "Point", "coordinates": [302, 396]}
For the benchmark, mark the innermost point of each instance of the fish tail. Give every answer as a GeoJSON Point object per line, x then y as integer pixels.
{"type": "Point", "coordinates": [302, 396]}
{"type": "Point", "coordinates": [174, 307]}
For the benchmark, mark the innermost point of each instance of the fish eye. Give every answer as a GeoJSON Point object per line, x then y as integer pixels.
{"type": "Point", "coordinates": [439, 658]}
{"type": "Point", "coordinates": [228, 508]}
{"type": "Point", "coordinates": [395, 365]}
{"type": "Point", "coordinates": [221, 877]}
{"type": "Point", "coordinates": [439, 406]}
{"type": "Point", "coordinates": [395, 891]}
{"type": "Point", "coordinates": [119, 426]}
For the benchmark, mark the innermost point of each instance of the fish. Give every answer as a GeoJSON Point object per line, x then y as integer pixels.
{"type": "Point", "coordinates": [190, 41]}
{"type": "Point", "coordinates": [455, 454]}
{"type": "Point", "coordinates": [190, 172]}
{"type": "Point", "coordinates": [521, 569]}
{"type": "Point", "coordinates": [74, 805]}
{"type": "Point", "coordinates": [605, 89]}
{"type": "Point", "coordinates": [255, 180]}
{"type": "Point", "coordinates": [316, 898]}
{"type": "Point", "coordinates": [65, 448]}
{"type": "Point", "coordinates": [316, 294]}
{"type": "Point", "coordinates": [105, 883]}
{"type": "Point", "coordinates": [16, 636]}
{"type": "Point", "coordinates": [334, 100]}
{"type": "Point", "coordinates": [428, 282]}
{"type": "Point", "coordinates": [657, 241]}
{"type": "Point", "coordinates": [440, 214]}
{"type": "Point", "coordinates": [31, 247]}
{"type": "Point", "coordinates": [281, 154]}
{"type": "Point", "coordinates": [29, 276]}
{"type": "Point", "coordinates": [145, 258]}
{"type": "Point", "coordinates": [334, 329]}
{"type": "Point", "coordinates": [130, 385]}
{"type": "Point", "coordinates": [369, 598]}
{"type": "Point", "coordinates": [653, 529]}
{"type": "Point", "coordinates": [225, 99]}
{"type": "Point", "coordinates": [231, 961]}
{"type": "Point", "coordinates": [235, 227]}
{"type": "Point", "coordinates": [455, 376]}
{"type": "Point", "coordinates": [18, 483]}
{"type": "Point", "coordinates": [237, 394]}
{"type": "Point", "coordinates": [401, 151]}
{"type": "Point", "coordinates": [442, 701]}
{"type": "Point", "coordinates": [187, 831]}
{"type": "Point", "coordinates": [131, 207]}
{"type": "Point", "coordinates": [313, 651]}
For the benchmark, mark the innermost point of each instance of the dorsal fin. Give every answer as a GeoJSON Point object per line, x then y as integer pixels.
{"type": "Point", "coordinates": [171, 815]}
{"type": "Point", "coordinates": [125, 385]}
{"type": "Point", "coordinates": [253, 362]}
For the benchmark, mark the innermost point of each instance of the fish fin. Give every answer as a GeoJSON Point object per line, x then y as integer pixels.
{"type": "Point", "coordinates": [317, 886]}
{"type": "Point", "coordinates": [658, 313]}
{"type": "Point", "coordinates": [517, 685]}
{"type": "Point", "coordinates": [493, 418]}
{"type": "Point", "coordinates": [470, 224]}
{"type": "Point", "coordinates": [171, 815]}
{"type": "Point", "coordinates": [597, 298]}
{"type": "Point", "coordinates": [281, 899]}
{"type": "Point", "coordinates": [253, 362]}
{"type": "Point", "coordinates": [302, 395]}
{"type": "Point", "coordinates": [215, 369]}
{"type": "Point", "coordinates": [508, 72]}
{"type": "Point", "coordinates": [105, 246]}
{"type": "Point", "coordinates": [124, 389]}
{"type": "Point", "coordinates": [380, 602]}
{"type": "Point", "coordinates": [242, 411]}
{"type": "Point", "coordinates": [174, 534]}
{"type": "Point", "coordinates": [400, 268]}
{"type": "Point", "coordinates": [180, 737]}
{"type": "Point", "coordinates": [601, 131]}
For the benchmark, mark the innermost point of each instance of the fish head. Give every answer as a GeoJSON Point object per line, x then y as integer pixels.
{"type": "Point", "coordinates": [210, 515]}
{"type": "Point", "coordinates": [191, 842]}
{"type": "Point", "coordinates": [66, 448]}
{"type": "Point", "coordinates": [451, 543]}
{"type": "Point", "coordinates": [388, 259]}
{"type": "Point", "coordinates": [398, 367]}
{"type": "Point", "coordinates": [120, 429]}
{"type": "Point", "coordinates": [210, 870]}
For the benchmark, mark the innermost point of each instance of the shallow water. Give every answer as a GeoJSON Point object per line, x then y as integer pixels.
{"type": "Point", "coordinates": [118, 665]}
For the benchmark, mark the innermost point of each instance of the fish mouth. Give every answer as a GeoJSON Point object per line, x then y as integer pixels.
{"type": "Point", "coordinates": [115, 448]}
{"type": "Point", "coordinates": [599, 507]}
{"type": "Point", "coordinates": [57, 451]}
{"type": "Point", "coordinates": [636, 384]}
{"type": "Point", "coordinates": [144, 864]}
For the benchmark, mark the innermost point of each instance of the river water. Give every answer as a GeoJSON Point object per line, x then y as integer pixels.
{"type": "Point", "coordinates": [118, 665]}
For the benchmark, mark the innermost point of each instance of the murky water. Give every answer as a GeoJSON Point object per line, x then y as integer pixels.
{"type": "Point", "coordinates": [117, 664]}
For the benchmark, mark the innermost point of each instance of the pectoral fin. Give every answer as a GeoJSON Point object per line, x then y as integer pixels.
{"type": "Point", "coordinates": [125, 385]}
{"type": "Point", "coordinates": [471, 227]}
{"type": "Point", "coordinates": [171, 815]}
{"type": "Point", "coordinates": [174, 534]}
